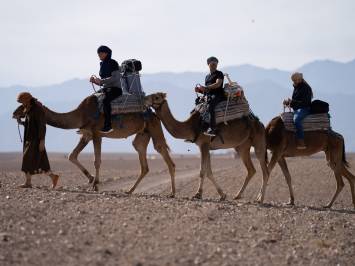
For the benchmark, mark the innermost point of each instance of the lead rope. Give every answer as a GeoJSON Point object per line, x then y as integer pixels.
{"type": "Point", "coordinates": [19, 131]}
{"type": "Point", "coordinates": [92, 84]}
{"type": "Point", "coordinates": [228, 99]}
{"type": "Point", "coordinates": [225, 111]}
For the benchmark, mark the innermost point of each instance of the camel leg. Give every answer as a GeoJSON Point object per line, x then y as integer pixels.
{"type": "Point", "coordinates": [199, 192]}
{"type": "Point", "coordinates": [276, 155]}
{"type": "Point", "coordinates": [156, 131]}
{"type": "Point", "coordinates": [73, 157]}
{"type": "Point", "coordinates": [140, 144]}
{"type": "Point", "coordinates": [340, 185]}
{"type": "Point", "coordinates": [208, 171]}
{"type": "Point", "coordinates": [286, 172]}
{"type": "Point", "coordinates": [245, 156]}
{"type": "Point", "coordinates": [261, 154]}
{"type": "Point", "coordinates": [97, 150]}
{"type": "Point", "coordinates": [222, 195]}
{"type": "Point", "coordinates": [163, 149]}
{"type": "Point", "coordinates": [351, 178]}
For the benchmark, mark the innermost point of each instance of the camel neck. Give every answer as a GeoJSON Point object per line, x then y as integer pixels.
{"type": "Point", "coordinates": [70, 120]}
{"type": "Point", "coordinates": [178, 129]}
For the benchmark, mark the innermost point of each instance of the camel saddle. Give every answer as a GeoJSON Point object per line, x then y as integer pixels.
{"type": "Point", "coordinates": [312, 122]}
{"type": "Point", "coordinates": [127, 103]}
{"type": "Point", "coordinates": [226, 110]}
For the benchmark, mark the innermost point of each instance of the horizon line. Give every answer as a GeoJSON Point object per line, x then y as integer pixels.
{"type": "Point", "coordinates": [190, 71]}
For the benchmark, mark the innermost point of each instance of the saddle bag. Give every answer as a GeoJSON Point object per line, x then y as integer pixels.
{"type": "Point", "coordinates": [319, 107]}
{"type": "Point", "coordinates": [131, 66]}
{"type": "Point", "coordinates": [130, 80]}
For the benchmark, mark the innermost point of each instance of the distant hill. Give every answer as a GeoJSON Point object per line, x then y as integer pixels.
{"type": "Point", "coordinates": [265, 90]}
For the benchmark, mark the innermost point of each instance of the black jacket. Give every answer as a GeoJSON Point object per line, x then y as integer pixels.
{"type": "Point", "coordinates": [108, 66]}
{"type": "Point", "coordinates": [302, 96]}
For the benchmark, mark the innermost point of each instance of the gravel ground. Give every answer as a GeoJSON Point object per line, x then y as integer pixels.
{"type": "Point", "coordinates": [73, 226]}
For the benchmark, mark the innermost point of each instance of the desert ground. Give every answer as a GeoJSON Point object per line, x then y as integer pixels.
{"type": "Point", "coordinates": [75, 226]}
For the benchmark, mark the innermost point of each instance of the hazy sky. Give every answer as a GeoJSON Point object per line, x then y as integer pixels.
{"type": "Point", "coordinates": [44, 42]}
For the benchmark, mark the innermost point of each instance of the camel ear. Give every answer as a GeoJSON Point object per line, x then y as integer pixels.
{"type": "Point", "coordinates": [164, 95]}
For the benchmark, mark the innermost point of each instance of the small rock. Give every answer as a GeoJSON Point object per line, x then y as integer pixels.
{"type": "Point", "coordinates": [4, 237]}
{"type": "Point", "coordinates": [252, 228]}
{"type": "Point", "coordinates": [108, 252]}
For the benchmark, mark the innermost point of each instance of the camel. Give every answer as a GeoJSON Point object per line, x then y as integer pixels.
{"type": "Point", "coordinates": [239, 134]}
{"type": "Point", "coordinates": [89, 121]}
{"type": "Point", "coordinates": [282, 144]}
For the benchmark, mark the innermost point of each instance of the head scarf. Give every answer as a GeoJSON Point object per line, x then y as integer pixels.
{"type": "Point", "coordinates": [24, 97]}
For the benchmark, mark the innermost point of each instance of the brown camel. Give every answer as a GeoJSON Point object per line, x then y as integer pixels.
{"type": "Point", "coordinates": [86, 118]}
{"type": "Point", "coordinates": [239, 134]}
{"type": "Point", "coordinates": [282, 144]}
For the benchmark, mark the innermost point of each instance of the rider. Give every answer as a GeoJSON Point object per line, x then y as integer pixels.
{"type": "Point", "coordinates": [213, 89]}
{"type": "Point", "coordinates": [301, 105]}
{"type": "Point", "coordinates": [110, 81]}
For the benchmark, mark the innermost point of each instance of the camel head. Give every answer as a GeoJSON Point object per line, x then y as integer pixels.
{"type": "Point", "coordinates": [19, 112]}
{"type": "Point", "coordinates": [155, 100]}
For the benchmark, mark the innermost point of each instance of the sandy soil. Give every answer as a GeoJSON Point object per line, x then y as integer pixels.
{"type": "Point", "coordinates": [73, 226]}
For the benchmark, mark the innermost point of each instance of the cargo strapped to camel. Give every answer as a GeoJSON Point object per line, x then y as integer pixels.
{"type": "Point", "coordinates": [317, 120]}
{"type": "Point", "coordinates": [132, 99]}
{"type": "Point", "coordinates": [130, 77]}
{"type": "Point", "coordinates": [234, 107]}
{"type": "Point", "coordinates": [127, 103]}
{"type": "Point", "coordinates": [312, 122]}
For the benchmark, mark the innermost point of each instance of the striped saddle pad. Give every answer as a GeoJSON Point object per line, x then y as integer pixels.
{"type": "Point", "coordinates": [311, 122]}
{"type": "Point", "coordinates": [237, 108]}
{"type": "Point", "coordinates": [127, 103]}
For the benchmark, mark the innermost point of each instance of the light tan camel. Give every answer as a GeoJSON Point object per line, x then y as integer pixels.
{"type": "Point", "coordinates": [239, 134]}
{"type": "Point", "coordinates": [282, 144]}
{"type": "Point", "coordinates": [87, 119]}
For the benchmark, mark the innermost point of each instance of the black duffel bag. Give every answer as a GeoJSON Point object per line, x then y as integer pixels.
{"type": "Point", "coordinates": [319, 107]}
{"type": "Point", "coordinates": [131, 66]}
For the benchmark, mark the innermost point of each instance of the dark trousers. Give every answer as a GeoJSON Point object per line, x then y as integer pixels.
{"type": "Point", "coordinates": [110, 95]}
{"type": "Point", "coordinates": [212, 103]}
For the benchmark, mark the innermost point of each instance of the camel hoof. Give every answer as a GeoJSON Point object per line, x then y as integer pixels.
{"type": "Point", "coordinates": [237, 197]}
{"type": "Point", "coordinates": [25, 186]}
{"type": "Point", "coordinates": [171, 195]}
{"type": "Point", "coordinates": [55, 181]}
{"type": "Point", "coordinates": [128, 192]}
{"type": "Point", "coordinates": [197, 196]}
{"type": "Point", "coordinates": [95, 187]}
{"type": "Point", "coordinates": [90, 179]}
{"type": "Point", "coordinates": [290, 203]}
{"type": "Point", "coordinates": [223, 197]}
{"type": "Point", "coordinates": [327, 206]}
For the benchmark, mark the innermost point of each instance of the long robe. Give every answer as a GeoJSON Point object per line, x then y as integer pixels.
{"type": "Point", "coordinates": [34, 161]}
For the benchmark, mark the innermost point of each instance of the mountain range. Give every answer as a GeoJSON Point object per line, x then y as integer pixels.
{"type": "Point", "coordinates": [265, 89]}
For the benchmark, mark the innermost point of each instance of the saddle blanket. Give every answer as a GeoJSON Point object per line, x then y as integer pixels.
{"type": "Point", "coordinates": [127, 103]}
{"type": "Point", "coordinates": [237, 108]}
{"type": "Point", "coordinates": [312, 122]}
